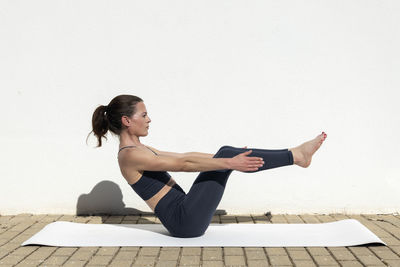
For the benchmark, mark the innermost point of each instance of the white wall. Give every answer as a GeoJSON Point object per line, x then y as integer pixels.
{"type": "Point", "coordinates": [266, 74]}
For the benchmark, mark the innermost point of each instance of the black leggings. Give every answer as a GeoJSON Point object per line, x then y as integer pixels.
{"type": "Point", "coordinates": [189, 215]}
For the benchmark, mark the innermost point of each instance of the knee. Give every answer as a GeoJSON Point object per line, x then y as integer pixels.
{"type": "Point", "coordinates": [222, 149]}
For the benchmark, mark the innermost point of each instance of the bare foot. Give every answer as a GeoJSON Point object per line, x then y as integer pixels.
{"type": "Point", "coordinates": [303, 153]}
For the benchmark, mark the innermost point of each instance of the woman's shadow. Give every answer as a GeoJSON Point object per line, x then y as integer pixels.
{"type": "Point", "coordinates": [106, 199]}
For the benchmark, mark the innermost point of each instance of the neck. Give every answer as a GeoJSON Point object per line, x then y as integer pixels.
{"type": "Point", "coordinates": [125, 139]}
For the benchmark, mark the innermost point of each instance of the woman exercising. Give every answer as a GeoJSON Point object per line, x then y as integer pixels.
{"type": "Point", "coordinates": [145, 168]}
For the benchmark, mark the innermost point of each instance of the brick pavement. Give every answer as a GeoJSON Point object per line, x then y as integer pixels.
{"type": "Point", "coordinates": [16, 229]}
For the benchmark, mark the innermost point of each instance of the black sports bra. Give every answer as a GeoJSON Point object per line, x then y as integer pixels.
{"type": "Point", "coordinates": [151, 182]}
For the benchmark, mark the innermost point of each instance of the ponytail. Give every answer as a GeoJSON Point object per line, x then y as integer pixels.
{"type": "Point", "coordinates": [100, 123]}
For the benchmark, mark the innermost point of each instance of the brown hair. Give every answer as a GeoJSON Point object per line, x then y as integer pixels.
{"type": "Point", "coordinates": [109, 117]}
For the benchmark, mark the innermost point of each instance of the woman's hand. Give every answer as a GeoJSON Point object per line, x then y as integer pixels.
{"type": "Point", "coordinates": [244, 163]}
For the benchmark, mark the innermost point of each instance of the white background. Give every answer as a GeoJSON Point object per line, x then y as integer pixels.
{"type": "Point", "coordinates": [264, 74]}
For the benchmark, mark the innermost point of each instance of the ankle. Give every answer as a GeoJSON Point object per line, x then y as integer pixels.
{"type": "Point", "coordinates": [295, 155]}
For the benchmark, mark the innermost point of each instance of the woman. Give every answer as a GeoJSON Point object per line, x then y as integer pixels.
{"type": "Point", "coordinates": [145, 167]}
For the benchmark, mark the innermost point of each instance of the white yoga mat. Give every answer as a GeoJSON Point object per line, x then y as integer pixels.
{"type": "Point", "coordinates": [348, 232]}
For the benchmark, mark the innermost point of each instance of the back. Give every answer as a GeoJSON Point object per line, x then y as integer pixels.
{"type": "Point", "coordinates": [149, 183]}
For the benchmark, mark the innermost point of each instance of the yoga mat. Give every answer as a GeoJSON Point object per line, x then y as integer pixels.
{"type": "Point", "coordinates": [349, 232]}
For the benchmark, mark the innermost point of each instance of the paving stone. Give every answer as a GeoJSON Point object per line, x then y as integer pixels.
{"type": "Point", "coordinates": [370, 260]}
{"type": "Point", "coordinates": [125, 255]}
{"type": "Point", "coordinates": [144, 261]}
{"type": "Point", "coordinates": [245, 219]}
{"type": "Point", "coordinates": [212, 254]}
{"type": "Point", "coordinates": [25, 263]}
{"type": "Point", "coordinates": [394, 263]}
{"type": "Point", "coordinates": [55, 260]}
{"type": "Point", "coordinates": [396, 249]}
{"type": "Point", "coordinates": [325, 218]}
{"type": "Point", "coordinates": [169, 255]}
{"type": "Point", "coordinates": [20, 238]}
{"type": "Point", "coordinates": [342, 254]}
{"type": "Point", "coordinates": [166, 263]}
{"type": "Point", "coordinates": [325, 260]}
{"type": "Point", "coordinates": [149, 251]}
{"type": "Point", "coordinates": [95, 220]}
{"type": "Point", "coordinates": [278, 219]}
{"type": "Point", "coordinates": [276, 251]}
{"type": "Point", "coordinates": [11, 259]}
{"type": "Point", "coordinates": [131, 249]}
{"type": "Point", "coordinates": [360, 251]}
{"type": "Point", "coordinates": [114, 220]}
{"type": "Point", "coordinates": [384, 253]}
{"type": "Point", "coordinates": [189, 259]}
{"type": "Point", "coordinates": [83, 253]}
{"type": "Point", "coordinates": [390, 241]}
{"type": "Point", "coordinates": [100, 260]}
{"type": "Point", "coordinates": [255, 254]}
{"type": "Point", "coordinates": [22, 226]}
{"type": "Point", "coordinates": [299, 255]}
{"type": "Point", "coordinates": [350, 264]}
{"type": "Point", "coordinates": [304, 263]}
{"type": "Point", "coordinates": [235, 260]}
{"type": "Point", "coordinates": [41, 253]}
{"type": "Point", "coordinates": [260, 219]}
{"type": "Point", "coordinates": [257, 263]}
{"type": "Point", "coordinates": [293, 218]}
{"type": "Point", "coordinates": [234, 251]}
{"type": "Point", "coordinates": [3, 252]}
{"type": "Point", "coordinates": [309, 218]}
{"type": "Point", "coordinates": [318, 251]}
{"type": "Point", "coordinates": [24, 250]}
{"type": "Point", "coordinates": [12, 246]}
{"type": "Point", "coordinates": [9, 235]}
{"type": "Point", "coordinates": [5, 218]}
{"type": "Point", "coordinates": [212, 264]}
{"type": "Point", "coordinates": [279, 260]}
{"type": "Point", "coordinates": [74, 263]}
{"type": "Point", "coordinates": [120, 263]}
{"type": "Point", "coordinates": [104, 251]}
{"type": "Point", "coordinates": [49, 218]}
{"type": "Point", "coordinates": [191, 251]}
{"type": "Point", "coordinates": [64, 251]}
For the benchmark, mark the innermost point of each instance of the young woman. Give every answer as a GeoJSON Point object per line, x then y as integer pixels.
{"type": "Point", "coordinates": [145, 168]}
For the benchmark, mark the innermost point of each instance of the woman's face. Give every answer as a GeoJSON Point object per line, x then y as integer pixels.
{"type": "Point", "coordinates": [139, 122]}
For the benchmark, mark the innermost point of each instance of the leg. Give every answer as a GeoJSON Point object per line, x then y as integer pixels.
{"type": "Point", "coordinates": [203, 198]}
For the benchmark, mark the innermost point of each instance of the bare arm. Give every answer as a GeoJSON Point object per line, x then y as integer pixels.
{"type": "Point", "coordinates": [180, 155]}
{"type": "Point", "coordinates": [197, 162]}
{"type": "Point", "coordinates": [200, 164]}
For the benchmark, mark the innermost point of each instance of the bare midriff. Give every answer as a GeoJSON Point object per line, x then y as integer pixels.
{"type": "Point", "coordinates": [153, 201]}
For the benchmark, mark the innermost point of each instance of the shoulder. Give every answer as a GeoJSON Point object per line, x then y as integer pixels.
{"type": "Point", "coordinates": [133, 154]}
{"type": "Point", "coordinates": [155, 150]}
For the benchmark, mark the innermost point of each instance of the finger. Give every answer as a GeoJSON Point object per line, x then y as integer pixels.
{"type": "Point", "coordinates": [247, 152]}
{"type": "Point", "coordinates": [255, 159]}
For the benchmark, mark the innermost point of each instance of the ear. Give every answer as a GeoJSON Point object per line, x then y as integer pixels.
{"type": "Point", "coordinates": [125, 121]}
